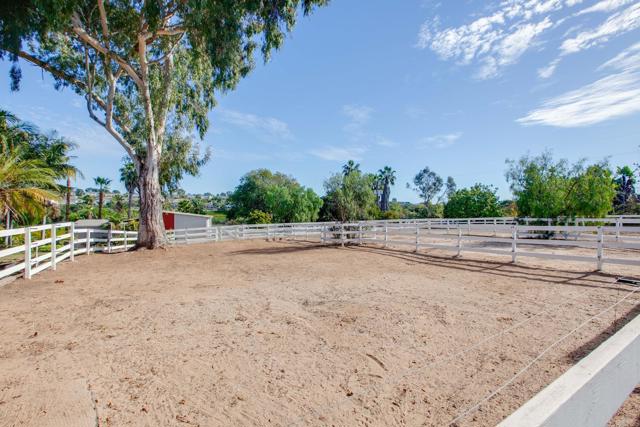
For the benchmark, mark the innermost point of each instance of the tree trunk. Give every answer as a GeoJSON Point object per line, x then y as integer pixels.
{"type": "Point", "coordinates": [385, 197]}
{"type": "Point", "coordinates": [67, 209]}
{"type": "Point", "coordinates": [130, 202]}
{"type": "Point", "coordinates": [151, 230]}
{"type": "Point", "coordinates": [100, 202]}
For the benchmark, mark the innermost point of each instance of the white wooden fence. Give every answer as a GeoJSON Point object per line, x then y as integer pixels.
{"type": "Point", "coordinates": [497, 236]}
{"type": "Point", "coordinates": [44, 246]}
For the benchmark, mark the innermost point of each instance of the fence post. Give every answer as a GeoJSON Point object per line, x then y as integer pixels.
{"type": "Point", "coordinates": [386, 234]}
{"type": "Point", "coordinates": [186, 236]}
{"type": "Point", "coordinates": [126, 244]}
{"type": "Point", "coordinates": [217, 234]}
{"type": "Point", "coordinates": [242, 232]}
{"type": "Point", "coordinates": [109, 235]}
{"type": "Point", "coordinates": [268, 232]}
{"type": "Point", "coordinates": [469, 226]}
{"type": "Point", "coordinates": [459, 240]}
{"type": "Point", "coordinates": [600, 248]}
{"type": "Point", "coordinates": [514, 244]}
{"type": "Point", "coordinates": [54, 243]}
{"type": "Point", "coordinates": [72, 241]}
{"type": "Point", "coordinates": [342, 234]}
{"type": "Point", "coordinates": [618, 225]}
{"type": "Point", "coordinates": [359, 233]}
{"type": "Point", "coordinates": [88, 242]}
{"type": "Point", "coordinates": [27, 253]}
{"type": "Point", "coordinates": [417, 236]}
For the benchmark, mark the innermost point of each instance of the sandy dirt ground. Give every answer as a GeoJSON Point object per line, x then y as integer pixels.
{"type": "Point", "coordinates": [295, 334]}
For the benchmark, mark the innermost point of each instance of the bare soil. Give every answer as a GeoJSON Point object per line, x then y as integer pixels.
{"type": "Point", "coordinates": [295, 334]}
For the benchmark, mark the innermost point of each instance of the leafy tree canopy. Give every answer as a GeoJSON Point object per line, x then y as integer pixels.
{"type": "Point", "coordinates": [476, 202]}
{"type": "Point", "coordinates": [349, 197]}
{"type": "Point", "coordinates": [276, 194]}
{"type": "Point", "coordinates": [427, 184]}
{"type": "Point", "coordinates": [546, 188]}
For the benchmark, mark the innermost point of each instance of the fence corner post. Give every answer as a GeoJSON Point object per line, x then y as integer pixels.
{"type": "Point", "coordinates": [27, 253]}
{"type": "Point", "coordinates": [72, 242]}
{"type": "Point", "coordinates": [600, 248]}
{"type": "Point", "coordinates": [54, 243]}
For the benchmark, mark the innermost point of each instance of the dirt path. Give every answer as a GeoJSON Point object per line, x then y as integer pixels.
{"type": "Point", "coordinates": [285, 333]}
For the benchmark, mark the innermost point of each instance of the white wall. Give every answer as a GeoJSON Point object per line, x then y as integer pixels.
{"type": "Point", "coordinates": [591, 392]}
{"type": "Point", "coordinates": [190, 221]}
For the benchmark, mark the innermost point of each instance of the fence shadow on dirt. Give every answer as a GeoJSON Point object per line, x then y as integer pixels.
{"type": "Point", "coordinates": [558, 276]}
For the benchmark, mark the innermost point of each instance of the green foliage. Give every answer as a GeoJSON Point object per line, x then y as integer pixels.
{"type": "Point", "coordinates": [258, 217]}
{"type": "Point", "coordinates": [545, 188]}
{"type": "Point", "coordinates": [277, 194]}
{"type": "Point", "coordinates": [26, 186]}
{"type": "Point", "coordinates": [349, 197]}
{"type": "Point", "coordinates": [194, 205]}
{"type": "Point", "coordinates": [476, 202]}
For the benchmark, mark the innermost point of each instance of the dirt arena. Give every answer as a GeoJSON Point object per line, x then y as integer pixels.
{"type": "Point", "coordinates": [294, 334]}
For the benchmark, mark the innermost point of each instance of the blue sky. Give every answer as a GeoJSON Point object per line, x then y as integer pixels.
{"type": "Point", "coordinates": [458, 86]}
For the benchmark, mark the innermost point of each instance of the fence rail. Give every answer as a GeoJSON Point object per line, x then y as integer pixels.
{"type": "Point", "coordinates": [497, 236]}
{"type": "Point", "coordinates": [45, 246]}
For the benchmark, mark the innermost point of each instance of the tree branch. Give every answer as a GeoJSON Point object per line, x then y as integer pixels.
{"type": "Point", "coordinates": [86, 37]}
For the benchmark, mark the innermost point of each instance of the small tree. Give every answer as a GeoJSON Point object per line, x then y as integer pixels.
{"type": "Point", "coordinates": [427, 184]}
{"type": "Point", "coordinates": [545, 188]}
{"type": "Point", "coordinates": [276, 194]}
{"type": "Point", "coordinates": [476, 202]}
{"type": "Point", "coordinates": [349, 197]}
{"type": "Point", "coordinates": [103, 187]}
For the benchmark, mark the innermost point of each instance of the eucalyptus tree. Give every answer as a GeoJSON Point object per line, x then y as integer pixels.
{"type": "Point", "coordinates": [387, 177]}
{"type": "Point", "coordinates": [148, 70]}
{"type": "Point", "coordinates": [427, 184]}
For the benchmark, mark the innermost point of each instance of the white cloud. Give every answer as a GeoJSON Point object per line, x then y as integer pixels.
{"type": "Point", "coordinates": [440, 141]}
{"type": "Point", "coordinates": [385, 142]}
{"type": "Point", "coordinates": [358, 114]}
{"type": "Point", "coordinates": [618, 23]}
{"type": "Point", "coordinates": [613, 96]}
{"type": "Point", "coordinates": [605, 6]}
{"type": "Point", "coordinates": [338, 154]}
{"type": "Point", "coordinates": [267, 125]}
{"type": "Point", "coordinates": [546, 72]}
{"type": "Point", "coordinates": [496, 40]}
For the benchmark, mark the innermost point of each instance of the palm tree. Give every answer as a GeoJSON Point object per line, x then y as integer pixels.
{"type": "Point", "coordinates": [103, 186]}
{"type": "Point", "coordinates": [89, 200]}
{"type": "Point", "coordinates": [129, 177]}
{"type": "Point", "coordinates": [25, 185]}
{"type": "Point", "coordinates": [350, 167]}
{"type": "Point", "coordinates": [55, 154]}
{"type": "Point", "coordinates": [387, 177]}
{"type": "Point", "coordinates": [117, 202]}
